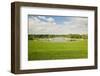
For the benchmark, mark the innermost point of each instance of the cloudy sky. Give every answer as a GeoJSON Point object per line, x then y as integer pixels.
{"type": "Point", "coordinates": [57, 25]}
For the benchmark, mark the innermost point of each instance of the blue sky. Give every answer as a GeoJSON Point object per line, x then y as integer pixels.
{"type": "Point", "coordinates": [39, 24]}
{"type": "Point", "coordinates": [62, 19]}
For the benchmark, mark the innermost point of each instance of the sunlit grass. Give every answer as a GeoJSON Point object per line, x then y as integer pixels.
{"type": "Point", "coordinates": [46, 50]}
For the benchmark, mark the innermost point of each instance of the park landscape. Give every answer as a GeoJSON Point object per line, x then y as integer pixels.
{"type": "Point", "coordinates": [57, 37]}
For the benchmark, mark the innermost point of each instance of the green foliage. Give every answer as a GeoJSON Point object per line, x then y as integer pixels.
{"type": "Point", "coordinates": [84, 36]}
{"type": "Point", "coordinates": [30, 37]}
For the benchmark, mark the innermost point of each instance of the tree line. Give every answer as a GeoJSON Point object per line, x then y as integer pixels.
{"type": "Point", "coordinates": [78, 36]}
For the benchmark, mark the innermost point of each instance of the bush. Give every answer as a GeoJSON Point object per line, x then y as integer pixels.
{"type": "Point", "coordinates": [30, 37]}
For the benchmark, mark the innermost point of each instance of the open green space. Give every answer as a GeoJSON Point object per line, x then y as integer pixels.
{"type": "Point", "coordinates": [49, 50]}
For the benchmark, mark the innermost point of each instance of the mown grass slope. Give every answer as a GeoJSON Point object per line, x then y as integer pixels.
{"type": "Point", "coordinates": [46, 50]}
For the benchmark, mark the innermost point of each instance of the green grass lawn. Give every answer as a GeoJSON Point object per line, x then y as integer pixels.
{"type": "Point", "coordinates": [46, 50]}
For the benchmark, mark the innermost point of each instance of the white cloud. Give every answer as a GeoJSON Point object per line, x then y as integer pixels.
{"type": "Point", "coordinates": [42, 17]}
{"type": "Point", "coordinates": [76, 25]}
{"type": "Point", "coordinates": [50, 19]}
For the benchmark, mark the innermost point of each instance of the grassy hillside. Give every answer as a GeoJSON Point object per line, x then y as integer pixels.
{"type": "Point", "coordinates": [46, 50]}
